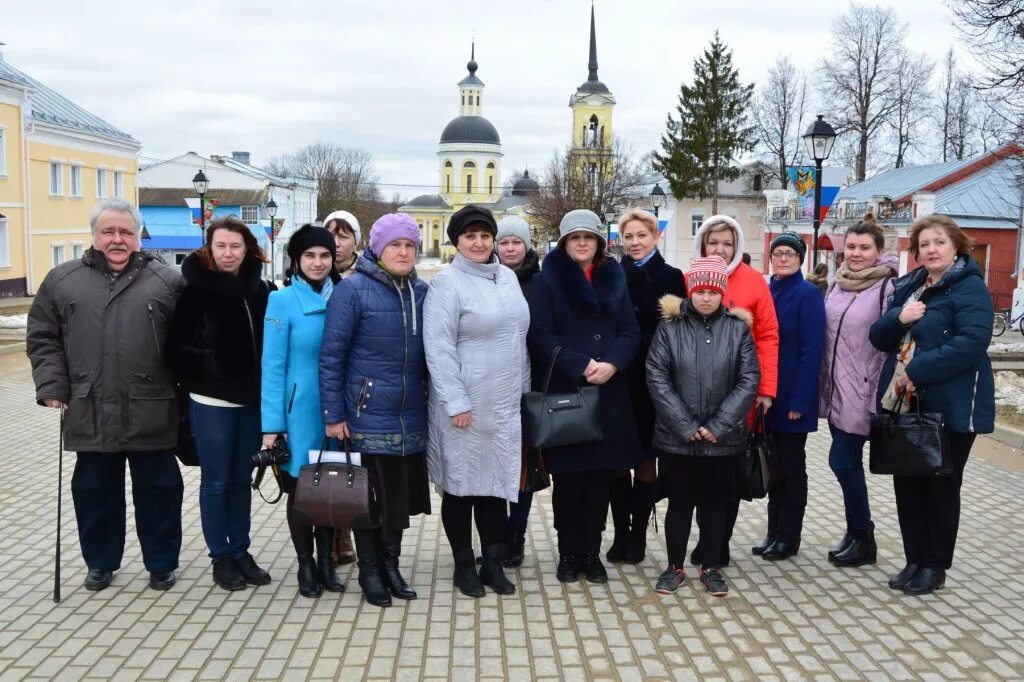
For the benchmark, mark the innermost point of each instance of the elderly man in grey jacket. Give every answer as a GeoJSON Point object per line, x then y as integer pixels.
{"type": "Point", "coordinates": [96, 334]}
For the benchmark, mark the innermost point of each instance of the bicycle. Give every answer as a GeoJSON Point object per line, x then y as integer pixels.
{"type": "Point", "coordinates": [1001, 322]}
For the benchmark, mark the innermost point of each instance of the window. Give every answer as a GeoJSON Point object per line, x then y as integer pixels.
{"type": "Point", "coordinates": [490, 166]}
{"type": "Point", "coordinates": [695, 221]}
{"type": "Point", "coordinates": [250, 214]}
{"type": "Point", "coordinates": [463, 99]}
{"type": "Point", "coordinates": [119, 184]}
{"type": "Point", "coordinates": [58, 254]}
{"type": "Point", "coordinates": [490, 185]}
{"type": "Point", "coordinates": [469, 184]}
{"type": "Point", "coordinates": [101, 183]}
{"type": "Point", "coordinates": [5, 245]}
{"type": "Point", "coordinates": [76, 181]}
{"type": "Point", "coordinates": [448, 184]}
{"type": "Point", "coordinates": [3, 151]}
{"type": "Point", "coordinates": [478, 100]}
{"type": "Point", "coordinates": [179, 258]}
{"type": "Point", "coordinates": [56, 179]}
{"type": "Point", "coordinates": [77, 250]}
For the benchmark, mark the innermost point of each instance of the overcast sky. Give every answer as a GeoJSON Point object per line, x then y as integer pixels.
{"type": "Point", "coordinates": [214, 76]}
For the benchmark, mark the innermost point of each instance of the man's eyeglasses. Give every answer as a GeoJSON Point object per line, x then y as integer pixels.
{"type": "Point", "coordinates": [784, 255]}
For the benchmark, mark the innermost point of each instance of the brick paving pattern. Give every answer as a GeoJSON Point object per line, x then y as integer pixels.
{"type": "Point", "coordinates": [798, 619]}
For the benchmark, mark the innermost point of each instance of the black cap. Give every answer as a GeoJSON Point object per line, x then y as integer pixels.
{"type": "Point", "coordinates": [309, 236]}
{"type": "Point", "coordinates": [467, 216]}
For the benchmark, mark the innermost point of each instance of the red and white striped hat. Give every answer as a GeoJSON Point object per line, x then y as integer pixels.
{"type": "Point", "coordinates": [707, 273]}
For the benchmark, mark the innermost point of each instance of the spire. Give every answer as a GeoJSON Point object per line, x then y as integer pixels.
{"type": "Point", "coordinates": [593, 47]}
{"type": "Point", "coordinates": [472, 65]}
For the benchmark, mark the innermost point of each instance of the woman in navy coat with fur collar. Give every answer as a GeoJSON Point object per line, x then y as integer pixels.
{"type": "Point", "coordinates": [580, 302]}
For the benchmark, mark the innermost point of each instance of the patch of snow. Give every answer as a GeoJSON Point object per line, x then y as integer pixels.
{"type": "Point", "coordinates": [1006, 348]}
{"type": "Point", "coordinates": [14, 321]}
{"type": "Point", "coordinates": [1010, 390]}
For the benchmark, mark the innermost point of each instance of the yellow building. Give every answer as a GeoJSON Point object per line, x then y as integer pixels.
{"type": "Point", "coordinates": [57, 161]}
{"type": "Point", "coordinates": [592, 105]}
{"type": "Point", "coordinates": [469, 170]}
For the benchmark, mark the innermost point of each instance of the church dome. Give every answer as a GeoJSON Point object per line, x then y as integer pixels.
{"type": "Point", "coordinates": [470, 129]}
{"type": "Point", "coordinates": [525, 185]}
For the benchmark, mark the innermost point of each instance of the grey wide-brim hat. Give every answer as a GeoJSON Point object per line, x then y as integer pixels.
{"type": "Point", "coordinates": [581, 220]}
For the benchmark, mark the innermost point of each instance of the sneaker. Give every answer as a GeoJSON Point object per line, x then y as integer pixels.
{"type": "Point", "coordinates": [670, 580]}
{"type": "Point", "coordinates": [712, 579]}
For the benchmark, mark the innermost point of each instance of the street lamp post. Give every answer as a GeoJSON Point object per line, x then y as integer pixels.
{"type": "Point", "coordinates": [609, 216]}
{"type": "Point", "coordinates": [272, 211]}
{"type": "Point", "coordinates": [657, 198]}
{"type": "Point", "coordinates": [819, 139]}
{"type": "Point", "coordinates": [201, 184]}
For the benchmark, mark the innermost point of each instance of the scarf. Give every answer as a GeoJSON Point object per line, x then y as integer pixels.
{"type": "Point", "coordinates": [345, 266]}
{"type": "Point", "coordinates": [847, 280]}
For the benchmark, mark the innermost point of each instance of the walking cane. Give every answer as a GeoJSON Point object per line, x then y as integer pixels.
{"type": "Point", "coordinates": [60, 476]}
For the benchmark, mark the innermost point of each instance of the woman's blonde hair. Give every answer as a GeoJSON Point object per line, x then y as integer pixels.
{"type": "Point", "coordinates": [645, 217]}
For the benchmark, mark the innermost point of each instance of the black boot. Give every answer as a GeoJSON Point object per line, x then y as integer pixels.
{"type": "Point", "coordinates": [620, 493]}
{"type": "Point", "coordinates": [642, 506]}
{"type": "Point", "coordinates": [491, 572]}
{"type": "Point", "coordinates": [325, 572]}
{"type": "Point", "coordinates": [781, 549]}
{"type": "Point", "coordinates": [925, 581]}
{"type": "Point", "coordinates": [861, 551]}
{"type": "Point", "coordinates": [226, 574]}
{"type": "Point", "coordinates": [391, 549]}
{"type": "Point", "coordinates": [465, 576]}
{"type": "Point", "coordinates": [301, 532]}
{"type": "Point", "coordinates": [843, 544]}
{"type": "Point", "coordinates": [900, 580]}
{"type": "Point", "coordinates": [371, 580]}
{"type": "Point", "coordinates": [515, 548]}
{"type": "Point", "coordinates": [568, 570]}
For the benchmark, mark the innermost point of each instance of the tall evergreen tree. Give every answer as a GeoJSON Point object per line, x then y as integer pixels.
{"type": "Point", "coordinates": [710, 128]}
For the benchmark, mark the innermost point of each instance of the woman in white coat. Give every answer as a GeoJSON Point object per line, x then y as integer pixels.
{"type": "Point", "coordinates": [475, 324]}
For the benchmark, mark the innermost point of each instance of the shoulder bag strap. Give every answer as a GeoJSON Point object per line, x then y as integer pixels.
{"type": "Point", "coordinates": [881, 295]}
{"type": "Point", "coordinates": [551, 369]}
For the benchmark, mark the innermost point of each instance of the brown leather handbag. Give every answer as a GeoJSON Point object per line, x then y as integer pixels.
{"type": "Point", "coordinates": [338, 495]}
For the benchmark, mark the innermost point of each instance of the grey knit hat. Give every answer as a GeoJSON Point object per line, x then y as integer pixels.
{"type": "Point", "coordinates": [581, 220]}
{"type": "Point", "coordinates": [513, 226]}
{"type": "Point", "coordinates": [792, 240]}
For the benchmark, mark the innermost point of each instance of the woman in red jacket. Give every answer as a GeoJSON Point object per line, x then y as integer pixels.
{"type": "Point", "coordinates": [721, 235]}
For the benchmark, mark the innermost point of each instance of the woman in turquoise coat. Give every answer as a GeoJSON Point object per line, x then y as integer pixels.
{"type": "Point", "coordinates": [293, 329]}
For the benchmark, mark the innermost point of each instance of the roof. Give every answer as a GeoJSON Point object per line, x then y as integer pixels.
{"type": "Point", "coordinates": [524, 185]}
{"type": "Point", "coordinates": [427, 201]}
{"type": "Point", "coordinates": [992, 193]}
{"type": "Point", "coordinates": [49, 106]}
{"type": "Point", "coordinates": [475, 129]}
{"type": "Point", "coordinates": [435, 201]}
{"type": "Point", "coordinates": [162, 196]}
{"type": "Point", "coordinates": [901, 181]}
{"type": "Point", "coordinates": [185, 236]}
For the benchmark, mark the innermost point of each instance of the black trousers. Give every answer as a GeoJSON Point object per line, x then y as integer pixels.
{"type": "Point", "coordinates": [787, 497]}
{"type": "Point", "coordinates": [929, 509]}
{"type": "Point", "coordinates": [579, 500]}
{"type": "Point", "coordinates": [457, 514]}
{"type": "Point", "coordinates": [97, 488]}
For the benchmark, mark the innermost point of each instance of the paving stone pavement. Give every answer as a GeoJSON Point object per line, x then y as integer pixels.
{"type": "Point", "coordinates": [799, 619]}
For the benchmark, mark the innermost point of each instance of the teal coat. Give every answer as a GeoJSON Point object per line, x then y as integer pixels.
{"type": "Point", "coordinates": [293, 329]}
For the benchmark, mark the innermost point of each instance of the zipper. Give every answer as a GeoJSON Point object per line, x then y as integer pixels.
{"type": "Point", "coordinates": [974, 395]}
{"type": "Point", "coordinates": [291, 401]}
{"type": "Point", "coordinates": [252, 330]}
{"type": "Point", "coordinates": [144, 377]}
{"type": "Point", "coordinates": [71, 326]}
{"type": "Point", "coordinates": [835, 346]}
{"type": "Point", "coordinates": [362, 397]}
{"type": "Point", "coordinates": [152, 324]}
{"type": "Point", "coordinates": [405, 361]}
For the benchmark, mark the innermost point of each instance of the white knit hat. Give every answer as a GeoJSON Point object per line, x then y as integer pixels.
{"type": "Point", "coordinates": [348, 218]}
{"type": "Point", "coordinates": [514, 226]}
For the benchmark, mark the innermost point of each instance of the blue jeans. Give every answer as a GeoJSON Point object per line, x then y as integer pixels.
{"type": "Point", "coordinates": [845, 459]}
{"type": "Point", "coordinates": [226, 438]}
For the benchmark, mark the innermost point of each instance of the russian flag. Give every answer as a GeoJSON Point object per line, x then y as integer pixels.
{"type": "Point", "coordinates": [193, 206]}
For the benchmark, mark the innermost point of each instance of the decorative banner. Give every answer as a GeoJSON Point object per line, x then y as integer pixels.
{"type": "Point", "coordinates": [274, 228]}
{"type": "Point", "coordinates": [193, 205]}
{"type": "Point", "coordinates": [801, 181]}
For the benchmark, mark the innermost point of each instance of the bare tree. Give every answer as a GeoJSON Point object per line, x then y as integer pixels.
{"type": "Point", "coordinates": [779, 116]}
{"type": "Point", "coordinates": [913, 74]}
{"type": "Point", "coordinates": [994, 31]}
{"type": "Point", "coordinates": [961, 119]}
{"type": "Point", "coordinates": [861, 76]}
{"type": "Point", "coordinates": [946, 87]}
{"type": "Point", "coordinates": [995, 125]}
{"type": "Point", "coordinates": [345, 177]}
{"type": "Point", "coordinates": [568, 183]}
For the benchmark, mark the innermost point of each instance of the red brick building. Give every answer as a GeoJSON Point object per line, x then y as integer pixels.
{"type": "Point", "coordinates": [983, 194]}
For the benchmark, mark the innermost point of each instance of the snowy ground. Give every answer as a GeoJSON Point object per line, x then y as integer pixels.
{"type": "Point", "coordinates": [1010, 390]}
{"type": "Point", "coordinates": [14, 321]}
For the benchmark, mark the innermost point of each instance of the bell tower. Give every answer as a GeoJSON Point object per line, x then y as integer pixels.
{"type": "Point", "coordinates": [592, 105]}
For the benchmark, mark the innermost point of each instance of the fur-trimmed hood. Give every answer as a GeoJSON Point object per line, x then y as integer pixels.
{"type": "Point", "coordinates": [674, 308]}
{"type": "Point", "coordinates": [698, 239]}
{"type": "Point", "coordinates": [603, 292]}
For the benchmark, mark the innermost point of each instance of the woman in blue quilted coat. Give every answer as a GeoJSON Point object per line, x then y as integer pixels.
{"type": "Point", "coordinates": [292, 330]}
{"type": "Point", "coordinates": [373, 392]}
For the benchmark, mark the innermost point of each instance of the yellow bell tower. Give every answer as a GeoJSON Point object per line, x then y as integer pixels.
{"type": "Point", "coordinates": [592, 106]}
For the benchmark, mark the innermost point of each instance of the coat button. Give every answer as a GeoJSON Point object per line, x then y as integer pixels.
{"type": "Point", "coordinates": [597, 337]}
{"type": "Point", "coordinates": [707, 340]}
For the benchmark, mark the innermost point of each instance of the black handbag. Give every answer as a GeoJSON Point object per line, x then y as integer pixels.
{"type": "Point", "coordinates": [338, 495]}
{"type": "Point", "coordinates": [553, 420]}
{"type": "Point", "coordinates": [909, 443]}
{"type": "Point", "coordinates": [535, 477]}
{"type": "Point", "coordinates": [758, 466]}
{"type": "Point", "coordinates": [186, 450]}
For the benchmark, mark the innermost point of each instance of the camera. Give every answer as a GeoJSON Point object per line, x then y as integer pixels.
{"type": "Point", "coordinates": [276, 455]}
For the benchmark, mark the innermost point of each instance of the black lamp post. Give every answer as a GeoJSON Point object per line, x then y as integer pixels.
{"type": "Point", "coordinates": [657, 198]}
{"type": "Point", "coordinates": [201, 184]}
{"type": "Point", "coordinates": [272, 211]}
{"type": "Point", "coordinates": [819, 139]}
{"type": "Point", "coordinates": [609, 216]}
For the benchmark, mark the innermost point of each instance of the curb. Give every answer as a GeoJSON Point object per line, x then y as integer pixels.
{"type": "Point", "coordinates": [9, 348]}
{"type": "Point", "coordinates": [1008, 435]}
